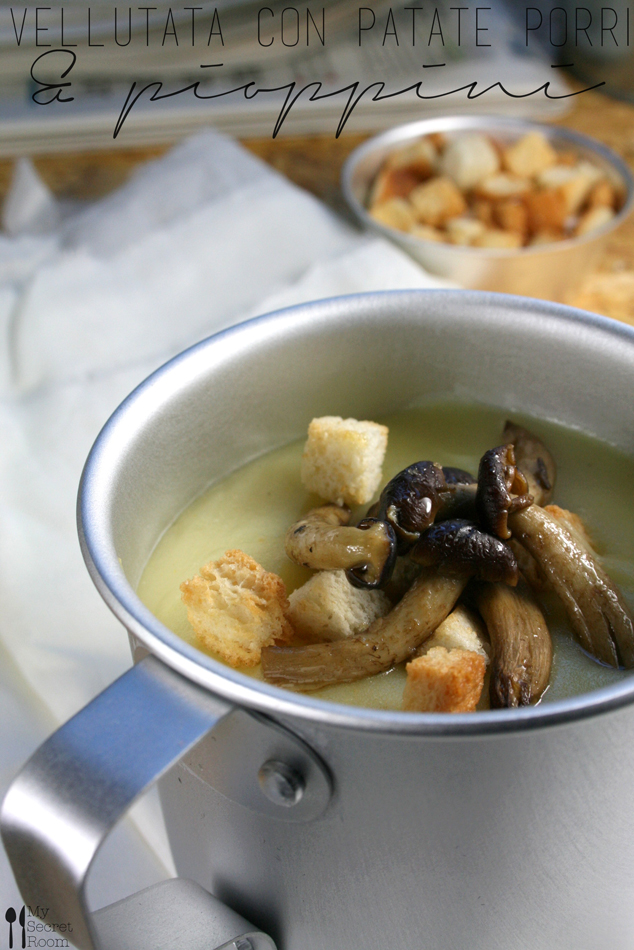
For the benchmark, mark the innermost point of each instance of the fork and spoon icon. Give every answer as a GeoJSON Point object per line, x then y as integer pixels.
{"type": "Point", "coordinates": [10, 917]}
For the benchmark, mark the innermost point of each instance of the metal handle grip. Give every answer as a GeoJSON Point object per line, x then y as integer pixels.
{"type": "Point", "coordinates": [83, 779]}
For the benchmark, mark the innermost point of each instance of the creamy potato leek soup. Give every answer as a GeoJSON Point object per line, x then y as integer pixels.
{"type": "Point", "coordinates": [536, 588]}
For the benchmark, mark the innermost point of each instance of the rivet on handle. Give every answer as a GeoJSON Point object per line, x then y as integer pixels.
{"type": "Point", "coordinates": [281, 784]}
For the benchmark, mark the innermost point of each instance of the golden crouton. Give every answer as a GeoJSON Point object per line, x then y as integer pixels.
{"type": "Point", "coordinates": [593, 219]}
{"type": "Point", "coordinates": [574, 182]}
{"type": "Point", "coordinates": [468, 159]}
{"type": "Point", "coordinates": [461, 630]}
{"type": "Point", "coordinates": [342, 459]}
{"type": "Point", "coordinates": [328, 607]}
{"type": "Point", "coordinates": [609, 293]}
{"type": "Point", "coordinates": [511, 215]}
{"type": "Point", "coordinates": [396, 213]}
{"type": "Point", "coordinates": [546, 210]}
{"type": "Point", "coordinates": [502, 185]}
{"type": "Point", "coordinates": [419, 158]}
{"type": "Point", "coordinates": [602, 193]}
{"type": "Point", "coordinates": [483, 209]}
{"type": "Point", "coordinates": [426, 233]}
{"type": "Point", "coordinates": [546, 237]}
{"type": "Point", "coordinates": [443, 681]}
{"type": "Point", "coordinates": [236, 608]}
{"type": "Point", "coordinates": [437, 200]}
{"type": "Point", "coordinates": [464, 231]}
{"type": "Point", "coordinates": [392, 183]}
{"type": "Point", "coordinates": [437, 139]}
{"type": "Point", "coordinates": [529, 156]}
{"type": "Point", "coordinates": [494, 238]}
{"type": "Point", "coordinates": [567, 157]}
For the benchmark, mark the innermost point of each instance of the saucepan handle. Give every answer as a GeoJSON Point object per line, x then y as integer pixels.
{"type": "Point", "coordinates": [84, 778]}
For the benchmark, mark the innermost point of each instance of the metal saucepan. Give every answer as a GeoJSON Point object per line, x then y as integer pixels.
{"type": "Point", "coordinates": [332, 826]}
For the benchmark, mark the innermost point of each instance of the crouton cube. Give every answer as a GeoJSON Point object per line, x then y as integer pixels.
{"type": "Point", "coordinates": [530, 155]}
{"type": "Point", "coordinates": [547, 236]}
{"type": "Point", "coordinates": [575, 182]}
{"type": "Point", "coordinates": [437, 139]}
{"type": "Point", "coordinates": [602, 193]}
{"type": "Point", "coordinates": [396, 213]}
{"type": "Point", "coordinates": [392, 183]}
{"type": "Point", "coordinates": [511, 215]}
{"type": "Point", "coordinates": [611, 293]}
{"type": "Point", "coordinates": [546, 210]}
{"type": "Point", "coordinates": [593, 219]}
{"type": "Point", "coordinates": [567, 157]}
{"type": "Point", "coordinates": [236, 608]}
{"type": "Point", "coordinates": [444, 681]}
{"type": "Point", "coordinates": [343, 458]}
{"type": "Point", "coordinates": [483, 209]}
{"type": "Point", "coordinates": [468, 158]}
{"type": "Point", "coordinates": [426, 233]}
{"type": "Point", "coordinates": [328, 607]}
{"type": "Point", "coordinates": [419, 158]}
{"type": "Point", "coordinates": [495, 238]}
{"type": "Point", "coordinates": [464, 231]}
{"type": "Point", "coordinates": [436, 201]}
{"type": "Point", "coordinates": [502, 185]}
{"type": "Point", "coordinates": [461, 630]}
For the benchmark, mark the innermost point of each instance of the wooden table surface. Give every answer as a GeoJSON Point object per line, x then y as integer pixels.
{"type": "Point", "coordinates": [314, 162]}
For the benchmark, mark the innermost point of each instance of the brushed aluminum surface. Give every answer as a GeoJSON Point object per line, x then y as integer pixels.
{"type": "Point", "coordinates": [507, 842]}
{"type": "Point", "coordinates": [550, 271]}
{"type": "Point", "coordinates": [175, 915]}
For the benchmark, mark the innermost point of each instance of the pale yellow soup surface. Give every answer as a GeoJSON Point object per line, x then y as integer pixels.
{"type": "Point", "coordinates": [252, 508]}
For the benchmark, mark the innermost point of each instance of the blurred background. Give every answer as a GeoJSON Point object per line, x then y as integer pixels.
{"type": "Point", "coordinates": [119, 48]}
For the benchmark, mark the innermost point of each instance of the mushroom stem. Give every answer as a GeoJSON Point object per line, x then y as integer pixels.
{"type": "Point", "coordinates": [522, 648]}
{"type": "Point", "coordinates": [324, 542]}
{"type": "Point", "coordinates": [386, 642]}
{"type": "Point", "coordinates": [533, 460]}
{"type": "Point", "coordinates": [596, 608]}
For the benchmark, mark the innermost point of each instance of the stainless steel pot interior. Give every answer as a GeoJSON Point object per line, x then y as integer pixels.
{"type": "Point", "coordinates": [365, 161]}
{"type": "Point", "coordinates": [256, 386]}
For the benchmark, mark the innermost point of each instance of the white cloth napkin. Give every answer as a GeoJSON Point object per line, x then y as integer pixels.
{"type": "Point", "coordinates": [91, 301]}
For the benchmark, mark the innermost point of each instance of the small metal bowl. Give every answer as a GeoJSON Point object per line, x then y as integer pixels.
{"type": "Point", "coordinates": [549, 271]}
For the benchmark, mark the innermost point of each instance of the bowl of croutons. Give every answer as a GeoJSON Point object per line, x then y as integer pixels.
{"type": "Point", "coordinates": [492, 203]}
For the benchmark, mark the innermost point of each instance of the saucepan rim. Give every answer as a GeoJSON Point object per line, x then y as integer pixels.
{"type": "Point", "coordinates": [103, 564]}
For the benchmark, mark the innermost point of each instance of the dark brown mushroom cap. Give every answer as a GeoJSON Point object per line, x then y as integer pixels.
{"type": "Point", "coordinates": [533, 460]}
{"type": "Point", "coordinates": [377, 571]}
{"type": "Point", "coordinates": [410, 501]}
{"type": "Point", "coordinates": [459, 546]}
{"type": "Point", "coordinates": [459, 502]}
{"type": "Point", "coordinates": [457, 476]}
{"type": "Point", "coordinates": [498, 482]}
